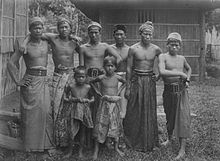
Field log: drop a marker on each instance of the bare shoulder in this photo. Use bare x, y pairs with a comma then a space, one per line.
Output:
135, 46
87, 86
163, 55
181, 57
118, 77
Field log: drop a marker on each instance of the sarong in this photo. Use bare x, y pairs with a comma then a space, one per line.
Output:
140, 123
77, 114
177, 109
108, 122
59, 82
36, 115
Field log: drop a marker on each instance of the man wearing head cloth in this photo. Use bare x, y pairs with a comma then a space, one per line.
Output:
140, 123
172, 67
36, 120
92, 55
64, 46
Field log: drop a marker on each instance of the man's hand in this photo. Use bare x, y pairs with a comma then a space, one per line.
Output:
25, 82
127, 93
183, 75
187, 84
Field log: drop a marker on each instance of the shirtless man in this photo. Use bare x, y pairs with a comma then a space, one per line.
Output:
122, 49
140, 123
92, 54
63, 48
175, 96
34, 91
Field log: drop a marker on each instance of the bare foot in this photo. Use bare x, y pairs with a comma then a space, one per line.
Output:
166, 143
69, 154
122, 154
180, 155
95, 156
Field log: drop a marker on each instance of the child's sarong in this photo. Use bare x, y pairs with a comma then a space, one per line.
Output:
177, 109
107, 123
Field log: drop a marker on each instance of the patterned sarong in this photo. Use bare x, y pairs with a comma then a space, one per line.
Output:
59, 82
77, 114
108, 122
140, 123
177, 109
36, 115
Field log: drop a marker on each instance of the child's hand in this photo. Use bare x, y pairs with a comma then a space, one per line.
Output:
127, 93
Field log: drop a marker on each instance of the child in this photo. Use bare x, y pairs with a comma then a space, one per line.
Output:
78, 113
176, 73
107, 123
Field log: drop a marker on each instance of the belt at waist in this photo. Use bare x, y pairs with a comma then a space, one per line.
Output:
94, 72
143, 73
36, 72
177, 87
63, 70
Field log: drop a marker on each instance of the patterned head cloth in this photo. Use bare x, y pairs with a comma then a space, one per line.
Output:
148, 26
62, 21
174, 36
120, 27
34, 21
94, 24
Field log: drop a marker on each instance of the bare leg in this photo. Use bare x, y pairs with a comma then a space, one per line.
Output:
117, 149
69, 150
167, 142
82, 140
108, 143
96, 151
182, 151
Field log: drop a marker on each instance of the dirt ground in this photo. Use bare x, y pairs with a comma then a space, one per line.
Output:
204, 145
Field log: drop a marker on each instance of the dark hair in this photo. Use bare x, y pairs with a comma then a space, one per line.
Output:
173, 40
35, 24
79, 68
120, 27
110, 58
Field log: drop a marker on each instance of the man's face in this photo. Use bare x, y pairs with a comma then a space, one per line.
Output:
173, 47
80, 77
146, 36
36, 30
109, 68
64, 29
94, 33
119, 36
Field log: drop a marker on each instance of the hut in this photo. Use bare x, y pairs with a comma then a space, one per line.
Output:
13, 25
184, 16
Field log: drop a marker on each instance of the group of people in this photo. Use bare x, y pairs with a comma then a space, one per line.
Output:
110, 95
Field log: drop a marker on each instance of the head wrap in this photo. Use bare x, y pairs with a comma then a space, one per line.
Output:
34, 21
174, 36
148, 26
120, 27
94, 24
63, 20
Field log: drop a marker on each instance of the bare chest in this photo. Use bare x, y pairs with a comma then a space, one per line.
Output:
174, 63
144, 54
81, 92
36, 50
63, 48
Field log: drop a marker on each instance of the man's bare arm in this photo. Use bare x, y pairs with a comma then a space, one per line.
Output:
13, 64
129, 72
164, 72
188, 69
81, 56
113, 52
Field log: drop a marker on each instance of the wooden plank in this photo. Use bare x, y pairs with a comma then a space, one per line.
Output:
7, 115
202, 62
11, 143
1, 31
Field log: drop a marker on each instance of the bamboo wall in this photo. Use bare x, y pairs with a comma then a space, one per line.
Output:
184, 21
13, 25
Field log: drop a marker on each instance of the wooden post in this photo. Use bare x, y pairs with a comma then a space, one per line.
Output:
202, 63
1, 31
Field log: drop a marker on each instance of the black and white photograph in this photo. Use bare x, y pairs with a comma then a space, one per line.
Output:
109, 80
